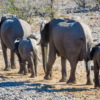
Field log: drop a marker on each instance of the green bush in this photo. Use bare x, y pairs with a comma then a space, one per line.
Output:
26, 9
21, 8
80, 3
97, 2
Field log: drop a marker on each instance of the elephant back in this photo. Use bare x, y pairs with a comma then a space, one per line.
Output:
13, 28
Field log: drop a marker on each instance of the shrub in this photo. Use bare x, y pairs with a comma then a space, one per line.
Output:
27, 9
21, 8
80, 3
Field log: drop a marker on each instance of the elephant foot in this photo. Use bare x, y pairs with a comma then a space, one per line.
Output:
25, 73
29, 70
70, 82
13, 67
7, 69
35, 74
63, 80
20, 72
32, 76
97, 86
48, 77
89, 83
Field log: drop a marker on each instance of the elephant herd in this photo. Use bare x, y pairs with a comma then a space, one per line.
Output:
69, 39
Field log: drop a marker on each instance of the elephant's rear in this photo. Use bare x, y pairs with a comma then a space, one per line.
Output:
87, 41
28, 47
23, 48
88, 35
70, 41
26, 28
12, 29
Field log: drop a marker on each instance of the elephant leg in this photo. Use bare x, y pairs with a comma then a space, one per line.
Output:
72, 79
35, 64
6, 59
25, 67
96, 74
29, 69
64, 73
88, 73
21, 70
31, 64
51, 60
13, 66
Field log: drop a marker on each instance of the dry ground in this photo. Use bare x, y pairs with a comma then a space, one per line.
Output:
79, 90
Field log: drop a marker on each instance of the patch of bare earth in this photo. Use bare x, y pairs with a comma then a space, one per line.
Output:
79, 90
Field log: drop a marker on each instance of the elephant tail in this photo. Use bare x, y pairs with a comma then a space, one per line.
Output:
82, 49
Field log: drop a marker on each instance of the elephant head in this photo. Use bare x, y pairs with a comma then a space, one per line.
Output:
44, 31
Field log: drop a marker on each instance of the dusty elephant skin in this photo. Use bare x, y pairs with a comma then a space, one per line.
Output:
12, 28
29, 51
70, 40
95, 56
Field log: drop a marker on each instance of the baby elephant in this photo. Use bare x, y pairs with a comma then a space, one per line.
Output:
95, 56
28, 52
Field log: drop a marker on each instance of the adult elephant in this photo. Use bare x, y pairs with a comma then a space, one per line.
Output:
69, 39
11, 29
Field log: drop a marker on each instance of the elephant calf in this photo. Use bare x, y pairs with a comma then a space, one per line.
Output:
95, 56
28, 51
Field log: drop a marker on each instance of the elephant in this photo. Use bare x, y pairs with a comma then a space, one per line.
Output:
94, 55
70, 39
28, 51
10, 29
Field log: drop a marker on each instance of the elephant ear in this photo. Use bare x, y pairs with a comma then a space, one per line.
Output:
3, 18
45, 33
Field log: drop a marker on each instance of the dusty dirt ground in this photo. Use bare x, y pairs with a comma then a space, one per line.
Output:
79, 90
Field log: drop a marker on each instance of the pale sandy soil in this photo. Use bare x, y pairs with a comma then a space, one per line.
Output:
79, 90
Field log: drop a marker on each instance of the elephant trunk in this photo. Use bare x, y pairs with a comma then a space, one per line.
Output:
44, 55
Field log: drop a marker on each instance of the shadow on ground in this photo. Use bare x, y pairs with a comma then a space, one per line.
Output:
40, 87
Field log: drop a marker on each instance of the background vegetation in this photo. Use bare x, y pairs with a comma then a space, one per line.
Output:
28, 9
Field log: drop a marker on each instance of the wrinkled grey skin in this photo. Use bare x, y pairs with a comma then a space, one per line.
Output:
70, 40
12, 28
29, 51
95, 56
